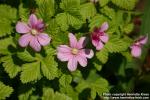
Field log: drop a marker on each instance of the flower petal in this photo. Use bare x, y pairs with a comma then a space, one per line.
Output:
43, 39
143, 40
136, 51
72, 64
104, 27
22, 27
82, 60
64, 56
82, 42
87, 53
35, 44
73, 40
104, 38
33, 20
64, 49
25, 39
99, 46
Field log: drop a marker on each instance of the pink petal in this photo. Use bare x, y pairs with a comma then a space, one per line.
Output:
35, 44
22, 27
136, 51
43, 39
40, 25
64, 56
104, 27
72, 64
99, 46
82, 60
25, 39
87, 53
73, 40
143, 40
94, 42
64, 49
82, 42
104, 38
33, 20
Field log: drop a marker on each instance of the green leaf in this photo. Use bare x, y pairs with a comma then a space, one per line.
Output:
9, 66
64, 20
48, 93
128, 28
8, 16
5, 44
46, 9
65, 80
25, 56
102, 55
97, 21
71, 6
49, 67
87, 10
103, 2
30, 72
116, 44
60, 96
126, 4
5, 91
23, 13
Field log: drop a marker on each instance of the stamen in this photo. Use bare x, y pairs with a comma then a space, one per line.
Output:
74, 51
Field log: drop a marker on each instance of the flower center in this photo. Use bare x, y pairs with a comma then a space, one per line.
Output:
34, 32
74, 51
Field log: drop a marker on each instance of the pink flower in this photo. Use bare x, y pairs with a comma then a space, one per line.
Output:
32, 33
137, 45
99, 37
75, 53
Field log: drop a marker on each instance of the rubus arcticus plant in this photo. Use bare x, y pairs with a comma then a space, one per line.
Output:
69, 49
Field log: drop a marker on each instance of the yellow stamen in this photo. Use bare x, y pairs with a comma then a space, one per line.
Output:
34, 32
74, 51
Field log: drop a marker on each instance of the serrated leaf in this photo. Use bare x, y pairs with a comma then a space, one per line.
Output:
65, 80
48, 93
9, 66
7, 15
5, 44
49, 67
46, 9
30, 72
64, 20
103, 2
5, 91
102, 55
116, 45
97, 21
25, 56
126, 4
128, 28
60, 96
88, 10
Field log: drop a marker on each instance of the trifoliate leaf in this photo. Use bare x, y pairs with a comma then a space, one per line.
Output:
5, 91
49, 67
126, 4
88, 10
103, 2
30, 72
9, 66
25, 56
8, 16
